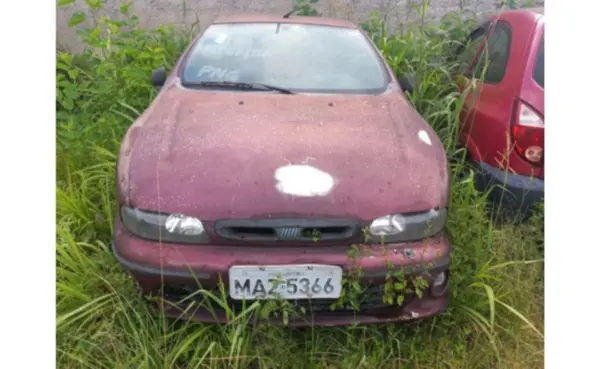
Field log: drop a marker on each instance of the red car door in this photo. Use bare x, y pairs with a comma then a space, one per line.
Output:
466, 57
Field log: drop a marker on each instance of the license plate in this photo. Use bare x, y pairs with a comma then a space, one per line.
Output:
289, 282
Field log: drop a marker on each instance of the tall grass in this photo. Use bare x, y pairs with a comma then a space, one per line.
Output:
495, 319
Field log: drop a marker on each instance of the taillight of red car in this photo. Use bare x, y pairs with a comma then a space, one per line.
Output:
528, 133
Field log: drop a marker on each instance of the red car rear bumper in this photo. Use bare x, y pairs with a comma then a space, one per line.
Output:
180, 268
516, 193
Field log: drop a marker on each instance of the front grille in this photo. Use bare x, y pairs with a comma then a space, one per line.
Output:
288, 233
303, 230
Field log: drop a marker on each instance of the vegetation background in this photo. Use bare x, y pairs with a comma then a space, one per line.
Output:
495, 319
397, 14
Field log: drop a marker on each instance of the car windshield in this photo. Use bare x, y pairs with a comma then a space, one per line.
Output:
298, 57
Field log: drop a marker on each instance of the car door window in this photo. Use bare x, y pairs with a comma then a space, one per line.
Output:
492, 61
467, 52
538, 71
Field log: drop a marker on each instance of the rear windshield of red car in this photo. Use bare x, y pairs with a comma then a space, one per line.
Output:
298, 57
538, 71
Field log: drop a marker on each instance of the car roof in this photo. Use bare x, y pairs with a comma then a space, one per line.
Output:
520, 11
271, 18
529, 14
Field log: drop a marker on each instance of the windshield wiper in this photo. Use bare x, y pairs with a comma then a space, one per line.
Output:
242, 85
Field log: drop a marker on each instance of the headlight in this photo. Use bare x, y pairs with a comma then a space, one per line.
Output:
408, 227
176, 228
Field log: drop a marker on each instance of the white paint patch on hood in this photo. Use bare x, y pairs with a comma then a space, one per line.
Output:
423, 136
303, 181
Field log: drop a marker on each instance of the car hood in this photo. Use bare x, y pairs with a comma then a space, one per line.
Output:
223, 155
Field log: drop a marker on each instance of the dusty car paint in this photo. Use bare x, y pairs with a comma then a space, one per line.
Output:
184, 146
220, 155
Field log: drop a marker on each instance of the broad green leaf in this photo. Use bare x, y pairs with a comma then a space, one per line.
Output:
124, 9
62, 66
65, 2
76, 19
113, 28
95, 33
94, 4
67, 103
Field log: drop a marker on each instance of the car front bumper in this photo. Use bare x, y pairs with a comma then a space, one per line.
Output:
517, 193
174, 271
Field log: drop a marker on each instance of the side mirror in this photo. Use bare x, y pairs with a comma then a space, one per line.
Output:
158, 77
408, 82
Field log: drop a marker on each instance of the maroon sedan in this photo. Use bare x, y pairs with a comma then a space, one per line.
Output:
275, 147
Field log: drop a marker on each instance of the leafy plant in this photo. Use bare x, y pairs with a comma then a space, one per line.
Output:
305, 8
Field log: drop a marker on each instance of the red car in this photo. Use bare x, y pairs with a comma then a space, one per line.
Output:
275, 145
503, 123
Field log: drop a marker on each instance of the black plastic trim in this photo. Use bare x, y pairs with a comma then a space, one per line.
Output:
224, 228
